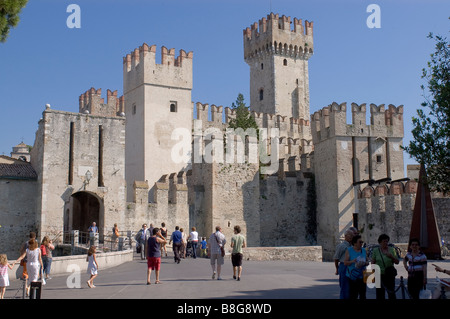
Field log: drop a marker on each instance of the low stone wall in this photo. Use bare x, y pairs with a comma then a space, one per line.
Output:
69, 264
297, 253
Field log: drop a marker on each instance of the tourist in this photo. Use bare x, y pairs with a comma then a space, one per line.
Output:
341, 268
92, 268
203, 248
216, 246
47, 257
141, 240
153, 254
23, 250
115, 237
183, 243
4, 277
164, 234
93, 230
415, 263
355, 260
237, 243
176, 239
385, 257
440, 288
193, 236
34, 261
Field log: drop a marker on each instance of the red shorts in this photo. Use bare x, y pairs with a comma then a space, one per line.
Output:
154, 263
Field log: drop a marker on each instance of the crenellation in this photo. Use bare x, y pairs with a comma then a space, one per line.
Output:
91, 102
331, 121
274, 35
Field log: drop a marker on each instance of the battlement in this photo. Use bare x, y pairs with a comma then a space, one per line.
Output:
295, 131
91, 102
140, 66
331, 121
274, 35
133, 59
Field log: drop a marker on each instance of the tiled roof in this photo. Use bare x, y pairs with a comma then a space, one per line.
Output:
17, 171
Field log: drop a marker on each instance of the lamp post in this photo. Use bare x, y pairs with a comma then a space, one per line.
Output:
87, 178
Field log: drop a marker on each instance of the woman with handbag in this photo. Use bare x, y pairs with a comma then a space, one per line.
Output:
415, 263
355, 260
385, 257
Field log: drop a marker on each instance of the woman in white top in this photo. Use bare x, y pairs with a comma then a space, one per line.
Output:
34, 261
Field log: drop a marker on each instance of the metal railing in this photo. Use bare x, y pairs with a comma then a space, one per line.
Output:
80, 240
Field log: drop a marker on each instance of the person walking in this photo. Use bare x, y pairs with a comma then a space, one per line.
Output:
176, 238
4, 277
153, 254
141, 240
355, 260
237, 243
183, 243
34, 262
164, 234
216, 246
341, 268
23, 250
203, 248
92, 230
193, 236
385, 257
415, 263
115, 237
92, 268
47, 256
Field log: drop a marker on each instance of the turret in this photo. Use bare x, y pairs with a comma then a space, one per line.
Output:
278, 58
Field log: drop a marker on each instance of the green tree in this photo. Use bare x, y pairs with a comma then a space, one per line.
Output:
9, 16
243, 118
431, 132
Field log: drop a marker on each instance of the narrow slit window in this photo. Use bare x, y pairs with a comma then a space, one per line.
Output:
173, 107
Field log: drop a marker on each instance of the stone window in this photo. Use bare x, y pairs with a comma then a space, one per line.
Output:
261, 94
173, 106
133, 111
285, 62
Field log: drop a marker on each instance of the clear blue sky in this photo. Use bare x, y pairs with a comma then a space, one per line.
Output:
44, 61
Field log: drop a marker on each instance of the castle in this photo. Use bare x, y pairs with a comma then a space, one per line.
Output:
124, 162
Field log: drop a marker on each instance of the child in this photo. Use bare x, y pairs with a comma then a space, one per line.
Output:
4, 277
203, 246
92, 266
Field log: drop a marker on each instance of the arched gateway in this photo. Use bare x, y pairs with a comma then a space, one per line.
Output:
84, 209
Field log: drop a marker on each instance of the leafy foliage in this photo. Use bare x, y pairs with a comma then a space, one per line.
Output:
431, 144
9, 16
243, 118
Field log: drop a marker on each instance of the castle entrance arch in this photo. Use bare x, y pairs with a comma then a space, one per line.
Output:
86, 208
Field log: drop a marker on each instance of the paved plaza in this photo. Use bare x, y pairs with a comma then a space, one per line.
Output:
191, 279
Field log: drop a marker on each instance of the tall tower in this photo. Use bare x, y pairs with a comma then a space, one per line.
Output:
157, 101
278, 59
347, 158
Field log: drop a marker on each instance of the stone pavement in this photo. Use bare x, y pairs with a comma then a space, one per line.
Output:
191, 279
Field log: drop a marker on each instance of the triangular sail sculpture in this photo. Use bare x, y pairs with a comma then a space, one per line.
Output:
424, 225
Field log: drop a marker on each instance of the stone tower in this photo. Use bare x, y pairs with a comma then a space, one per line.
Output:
157, 101
278, 59
348, 157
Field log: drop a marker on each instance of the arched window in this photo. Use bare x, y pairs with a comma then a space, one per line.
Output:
173, 107
285, 62
262, 66
261, 94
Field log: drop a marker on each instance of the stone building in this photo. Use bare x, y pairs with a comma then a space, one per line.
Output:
144, 158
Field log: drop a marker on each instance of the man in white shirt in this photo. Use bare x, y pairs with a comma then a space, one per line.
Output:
217, 251
193, 236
